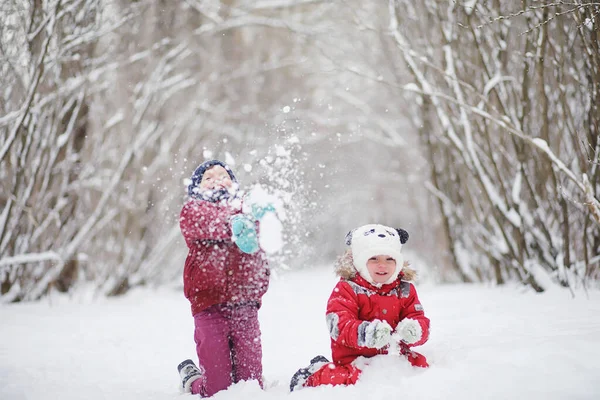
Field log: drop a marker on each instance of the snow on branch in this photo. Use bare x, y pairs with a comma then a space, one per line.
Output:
31, 258
539, 143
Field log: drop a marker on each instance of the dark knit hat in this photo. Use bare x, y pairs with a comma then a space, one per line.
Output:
199, 172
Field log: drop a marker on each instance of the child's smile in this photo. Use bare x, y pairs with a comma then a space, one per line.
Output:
381, 268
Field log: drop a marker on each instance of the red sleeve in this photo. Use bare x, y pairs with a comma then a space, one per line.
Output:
414, 310
342, 317
201, 220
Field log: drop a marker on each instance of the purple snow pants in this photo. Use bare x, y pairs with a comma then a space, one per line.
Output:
228, 346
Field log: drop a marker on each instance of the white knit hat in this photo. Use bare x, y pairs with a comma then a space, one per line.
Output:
376, 240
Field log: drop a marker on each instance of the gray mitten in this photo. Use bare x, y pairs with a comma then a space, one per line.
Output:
409, 331
378, 334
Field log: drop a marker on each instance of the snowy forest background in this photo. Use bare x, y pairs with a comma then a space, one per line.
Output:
472, 124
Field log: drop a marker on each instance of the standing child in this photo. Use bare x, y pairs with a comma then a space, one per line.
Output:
373, 309
225, 277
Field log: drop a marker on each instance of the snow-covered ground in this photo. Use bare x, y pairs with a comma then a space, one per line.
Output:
486, 343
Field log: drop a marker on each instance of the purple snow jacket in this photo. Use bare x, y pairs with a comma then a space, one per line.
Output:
216, 271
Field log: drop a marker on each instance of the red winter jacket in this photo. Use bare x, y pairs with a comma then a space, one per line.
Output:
216, 271
355, 301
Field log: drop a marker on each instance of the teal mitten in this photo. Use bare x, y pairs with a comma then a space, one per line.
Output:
259, 211
244, 233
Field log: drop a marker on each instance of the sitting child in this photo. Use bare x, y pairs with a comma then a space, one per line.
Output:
373, 309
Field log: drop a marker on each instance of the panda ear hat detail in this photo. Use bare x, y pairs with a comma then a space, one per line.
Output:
372, 240
403, 235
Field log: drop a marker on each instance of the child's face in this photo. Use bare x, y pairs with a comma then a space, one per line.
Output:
215, 178
381, 268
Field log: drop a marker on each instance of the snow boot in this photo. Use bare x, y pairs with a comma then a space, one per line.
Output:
302, 374
189, 373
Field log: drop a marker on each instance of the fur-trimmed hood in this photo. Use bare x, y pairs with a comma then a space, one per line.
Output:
344, 268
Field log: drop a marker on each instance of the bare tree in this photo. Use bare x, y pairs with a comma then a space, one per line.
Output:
109, 105
508, 101
43, 130
117, 104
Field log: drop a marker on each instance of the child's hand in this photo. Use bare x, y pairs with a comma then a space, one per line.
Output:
244, 233
409, 331
378, 334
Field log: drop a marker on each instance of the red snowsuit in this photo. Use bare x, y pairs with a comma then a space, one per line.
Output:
216, 271
355, 301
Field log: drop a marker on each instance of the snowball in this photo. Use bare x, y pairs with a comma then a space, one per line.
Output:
271, 233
